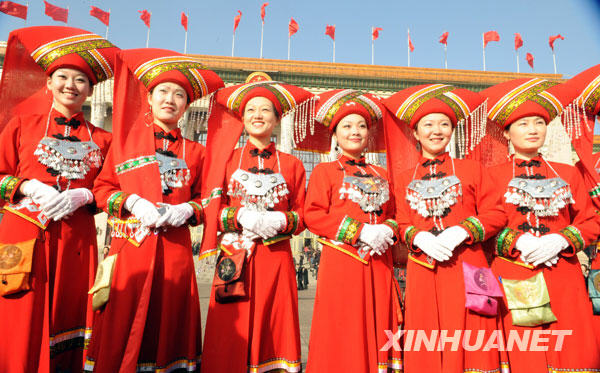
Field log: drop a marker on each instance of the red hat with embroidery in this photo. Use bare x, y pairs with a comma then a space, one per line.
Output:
34, 53
336, 104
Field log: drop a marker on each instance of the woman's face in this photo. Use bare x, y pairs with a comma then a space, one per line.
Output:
352, 135
433, 132
168, 102
260, 118
69, 89
527, 134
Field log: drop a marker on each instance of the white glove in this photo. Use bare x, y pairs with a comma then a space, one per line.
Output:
251, 236
451, 237
175, 215
253, 222
430, 245
549, 247
39, 192
67, 202
526, 244
377, 236
144, 210
275, 219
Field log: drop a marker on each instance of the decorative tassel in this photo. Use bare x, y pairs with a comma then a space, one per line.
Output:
68, 168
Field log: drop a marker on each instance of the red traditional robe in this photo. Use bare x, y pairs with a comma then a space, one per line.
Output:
569, 300
435, 292
357, 298
152, 319
261, 333
46, 327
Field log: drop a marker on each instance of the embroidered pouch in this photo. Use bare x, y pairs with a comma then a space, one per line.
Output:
15, 266
229, 281
528, 301
481, 290
101, 287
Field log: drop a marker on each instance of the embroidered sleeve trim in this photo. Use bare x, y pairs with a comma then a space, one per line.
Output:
573, 235
132, 164
394, 226
409, 237
195, 219
9, 186
229, 219
115, 204
505, 242
474, 227
291, 218
349, 231
217, 192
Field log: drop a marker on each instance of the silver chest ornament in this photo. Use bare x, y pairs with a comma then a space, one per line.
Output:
431, 198
71, 159
370, 193
545, 197
258, 192
174, 172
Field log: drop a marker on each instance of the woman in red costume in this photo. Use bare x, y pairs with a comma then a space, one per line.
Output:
150, 187
49, 157
255, 198
445, 208
350, 206
550, 219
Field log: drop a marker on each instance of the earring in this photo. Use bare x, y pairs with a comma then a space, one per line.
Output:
149, 117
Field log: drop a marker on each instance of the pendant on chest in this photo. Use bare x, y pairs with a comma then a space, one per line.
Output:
431, 198
544, 197
258, 192
370, 193
70, 159
174, 172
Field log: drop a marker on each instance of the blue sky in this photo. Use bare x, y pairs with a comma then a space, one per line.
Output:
211, 24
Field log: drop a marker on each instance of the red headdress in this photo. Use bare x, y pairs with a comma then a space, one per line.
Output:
225, 128
34, 53
336, 104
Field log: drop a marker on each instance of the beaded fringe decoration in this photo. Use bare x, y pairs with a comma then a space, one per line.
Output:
540, 206
175, 178
434, 207
304, 120
574, 118
68, 168
198, 118
368, 202
254, 202
471, 130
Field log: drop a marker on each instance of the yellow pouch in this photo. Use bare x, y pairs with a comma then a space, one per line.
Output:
101, 288
528, 301
15, 266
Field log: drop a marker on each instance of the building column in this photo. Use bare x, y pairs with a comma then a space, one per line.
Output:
98, 105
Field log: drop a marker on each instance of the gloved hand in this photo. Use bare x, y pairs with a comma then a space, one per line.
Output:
67, 202
377, 236
430, 245
250, 235
175, 215
526, 244
144, 210
275, 219
451, 237
549, 247
39, 192
253, 222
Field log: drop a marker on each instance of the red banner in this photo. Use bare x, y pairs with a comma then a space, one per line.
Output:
184, 20
375, 32
293, 27
56, 13
444, 38
145, 16
262, 11
529, 58
236, 21
13, 9
552, 39
330, 30
410, 44
103, 16
490, 36
518, 41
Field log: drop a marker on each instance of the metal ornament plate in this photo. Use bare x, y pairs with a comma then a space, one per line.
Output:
71, 150
538, 188
167, 163
434, 188
257, 184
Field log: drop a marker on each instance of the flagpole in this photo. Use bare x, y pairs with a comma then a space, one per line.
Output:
289, 42
185, 43
483, 45
446, 56
554, 60
333, 50
233, 44
408, 45
517, 53
262, 33
372, 48
106, 35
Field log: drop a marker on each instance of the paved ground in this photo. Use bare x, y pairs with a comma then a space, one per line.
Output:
306, 299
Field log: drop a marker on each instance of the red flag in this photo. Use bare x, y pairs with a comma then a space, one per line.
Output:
375, 32
490, 36
292, 27
552, 39
518, 41
444, 38
13, 9
410, 44
529, 58
262, 11
184, 20
56, 13
145, 16
103, 16
330, 30
236, 21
